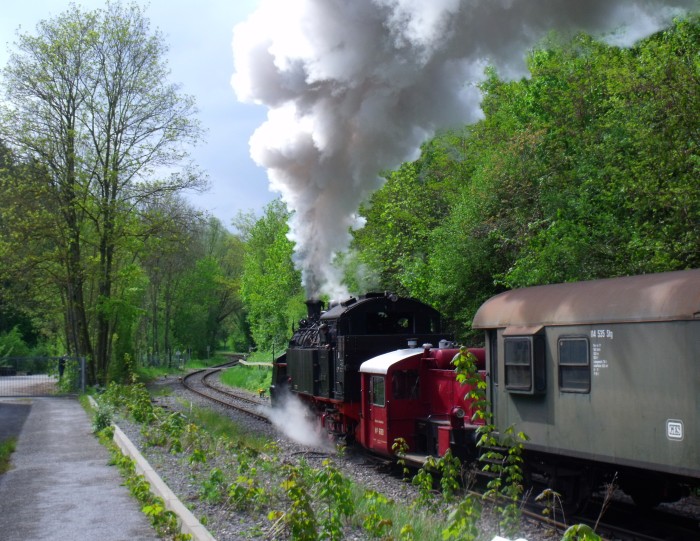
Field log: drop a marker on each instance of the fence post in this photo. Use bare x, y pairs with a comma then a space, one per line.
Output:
82, 375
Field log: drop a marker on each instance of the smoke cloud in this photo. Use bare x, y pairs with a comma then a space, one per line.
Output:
354, 87
298, 423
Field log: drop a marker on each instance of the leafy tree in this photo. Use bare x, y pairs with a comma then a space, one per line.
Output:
270, 286
29, 275
208, 292
89, 101
620, 194
395, 242
586, 169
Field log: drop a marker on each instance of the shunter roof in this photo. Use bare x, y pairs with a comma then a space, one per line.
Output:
381, 363
650, 297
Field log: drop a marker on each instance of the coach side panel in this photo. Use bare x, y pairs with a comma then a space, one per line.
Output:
628, 394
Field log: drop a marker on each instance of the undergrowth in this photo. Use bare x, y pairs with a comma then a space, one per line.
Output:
164, 521
309, 503
7, 447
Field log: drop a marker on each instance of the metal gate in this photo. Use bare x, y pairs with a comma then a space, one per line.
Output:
41, 376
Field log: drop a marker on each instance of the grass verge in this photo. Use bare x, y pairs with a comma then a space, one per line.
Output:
7, 447
251, 378
220, 426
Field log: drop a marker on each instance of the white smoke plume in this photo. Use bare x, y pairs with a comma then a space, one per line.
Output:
354, 87
298, 423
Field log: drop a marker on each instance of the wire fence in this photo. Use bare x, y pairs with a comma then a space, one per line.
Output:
41, 376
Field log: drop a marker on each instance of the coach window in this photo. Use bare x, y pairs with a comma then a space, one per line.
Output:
518, 363
574, 365
377, 383
524, 363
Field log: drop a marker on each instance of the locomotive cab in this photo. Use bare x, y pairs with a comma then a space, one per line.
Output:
413, 394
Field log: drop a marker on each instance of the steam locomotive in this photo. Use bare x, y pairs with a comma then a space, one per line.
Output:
603, 376
377, 368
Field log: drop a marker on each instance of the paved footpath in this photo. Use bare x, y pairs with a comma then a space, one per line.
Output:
60, 487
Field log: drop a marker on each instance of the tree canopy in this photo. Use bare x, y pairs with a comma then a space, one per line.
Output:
89, 105
588, 168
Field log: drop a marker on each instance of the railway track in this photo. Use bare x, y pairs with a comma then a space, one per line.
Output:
621, 520
200, 382
671, 522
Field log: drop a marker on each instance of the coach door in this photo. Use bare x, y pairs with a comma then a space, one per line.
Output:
377, 419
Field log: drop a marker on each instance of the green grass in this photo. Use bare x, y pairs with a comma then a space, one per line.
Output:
251, 378
426, 526
262, 356
221, 426
150, 373
7, 447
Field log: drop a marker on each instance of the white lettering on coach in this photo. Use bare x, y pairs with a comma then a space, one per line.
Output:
674, 429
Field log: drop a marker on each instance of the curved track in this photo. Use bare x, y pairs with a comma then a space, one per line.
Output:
620, 521
199, 382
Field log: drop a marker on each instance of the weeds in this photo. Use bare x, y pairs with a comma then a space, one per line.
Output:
7, 447
246, 493
310, 503
214, 487
463, 519
102, 417
551, 500
299, 518
375, 521
580, 532
335, 496
400, 448
163, 520
501, 453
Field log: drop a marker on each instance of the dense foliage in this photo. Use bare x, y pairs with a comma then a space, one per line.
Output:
271, 286
99, 251
588, 168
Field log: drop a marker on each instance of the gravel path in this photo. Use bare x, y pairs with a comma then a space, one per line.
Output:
224, 520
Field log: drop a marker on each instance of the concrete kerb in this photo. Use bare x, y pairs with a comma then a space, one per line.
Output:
188, 522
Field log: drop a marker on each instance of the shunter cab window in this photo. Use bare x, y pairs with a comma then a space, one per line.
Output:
523, 358
404, 385
574, 365
377, 383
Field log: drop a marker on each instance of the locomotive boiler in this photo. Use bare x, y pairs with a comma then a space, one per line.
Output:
376, 368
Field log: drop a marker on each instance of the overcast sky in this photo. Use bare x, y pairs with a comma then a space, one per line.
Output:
199, 36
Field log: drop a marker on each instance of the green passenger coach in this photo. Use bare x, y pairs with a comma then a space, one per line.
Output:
604, 378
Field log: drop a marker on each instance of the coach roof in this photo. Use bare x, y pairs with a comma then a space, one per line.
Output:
663, 296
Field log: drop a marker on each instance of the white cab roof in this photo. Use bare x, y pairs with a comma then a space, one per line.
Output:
381, 363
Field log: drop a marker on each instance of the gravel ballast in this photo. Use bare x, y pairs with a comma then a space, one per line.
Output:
225, 521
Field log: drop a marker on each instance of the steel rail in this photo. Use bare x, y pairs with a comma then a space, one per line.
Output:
189, 380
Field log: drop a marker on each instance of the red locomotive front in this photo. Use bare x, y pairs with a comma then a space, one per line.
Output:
413, 394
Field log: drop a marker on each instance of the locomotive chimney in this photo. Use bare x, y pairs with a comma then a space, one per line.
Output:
313, 309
